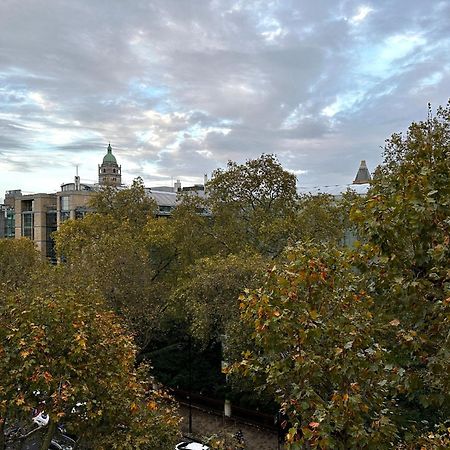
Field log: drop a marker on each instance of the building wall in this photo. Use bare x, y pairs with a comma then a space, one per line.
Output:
72, 204
35, 218
110, 174
3, 209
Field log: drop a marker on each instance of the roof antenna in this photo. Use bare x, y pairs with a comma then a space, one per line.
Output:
77, 179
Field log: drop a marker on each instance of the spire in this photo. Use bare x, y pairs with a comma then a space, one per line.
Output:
363, 175
109, 148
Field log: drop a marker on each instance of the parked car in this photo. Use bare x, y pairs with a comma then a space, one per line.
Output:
191, 446
41, 419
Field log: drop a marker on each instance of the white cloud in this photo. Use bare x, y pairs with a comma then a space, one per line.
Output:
362, 13
179, 89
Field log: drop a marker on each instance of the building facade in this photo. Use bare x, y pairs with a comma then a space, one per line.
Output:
38, 216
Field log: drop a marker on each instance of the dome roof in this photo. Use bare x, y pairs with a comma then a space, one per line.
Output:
109, 158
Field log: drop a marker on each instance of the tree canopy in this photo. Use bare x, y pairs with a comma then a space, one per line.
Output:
355, 343
63, 350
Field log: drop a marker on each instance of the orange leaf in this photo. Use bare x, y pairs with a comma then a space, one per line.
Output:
152, 405
48, 376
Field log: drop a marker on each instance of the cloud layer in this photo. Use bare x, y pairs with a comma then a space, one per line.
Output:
180, 87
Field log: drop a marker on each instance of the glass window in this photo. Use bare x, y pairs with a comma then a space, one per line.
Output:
10, 224
64, 215
28, 225
27, 205
80, 213
64, 203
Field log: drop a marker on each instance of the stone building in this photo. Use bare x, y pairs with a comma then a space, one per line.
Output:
37, 216
109, 172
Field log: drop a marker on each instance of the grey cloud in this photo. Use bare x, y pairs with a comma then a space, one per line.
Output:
188, 85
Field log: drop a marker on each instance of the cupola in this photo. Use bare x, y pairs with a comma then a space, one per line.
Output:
109, 172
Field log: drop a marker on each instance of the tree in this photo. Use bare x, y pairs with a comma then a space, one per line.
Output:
211, 289
61, 347
316, 351
320, 218
407, 216
18, 262
355, 343
250, 204
130, 205
121, 251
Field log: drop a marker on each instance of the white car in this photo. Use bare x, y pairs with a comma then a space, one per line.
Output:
191, 446
41, 419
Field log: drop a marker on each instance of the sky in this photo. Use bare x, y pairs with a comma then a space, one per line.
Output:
180, 87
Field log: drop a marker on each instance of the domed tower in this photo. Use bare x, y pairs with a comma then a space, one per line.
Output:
109, 172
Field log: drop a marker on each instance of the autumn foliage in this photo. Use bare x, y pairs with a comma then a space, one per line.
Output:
64, 352
354, 343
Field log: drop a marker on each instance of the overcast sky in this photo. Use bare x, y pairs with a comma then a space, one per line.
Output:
181, 86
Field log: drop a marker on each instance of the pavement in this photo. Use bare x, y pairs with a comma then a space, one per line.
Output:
206, 424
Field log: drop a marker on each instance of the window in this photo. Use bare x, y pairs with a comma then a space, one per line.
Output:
28, 224
64, 203
27, 205
80, 212
10, 224
64, 215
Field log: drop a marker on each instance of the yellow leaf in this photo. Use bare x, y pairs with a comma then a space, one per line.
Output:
394, 323
134, 407
20, 400
152, 405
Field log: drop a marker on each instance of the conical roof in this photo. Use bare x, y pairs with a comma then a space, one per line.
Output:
109, 158
363, 175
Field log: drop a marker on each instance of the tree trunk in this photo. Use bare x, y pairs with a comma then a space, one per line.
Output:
2, 434
3, 414
49, 435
